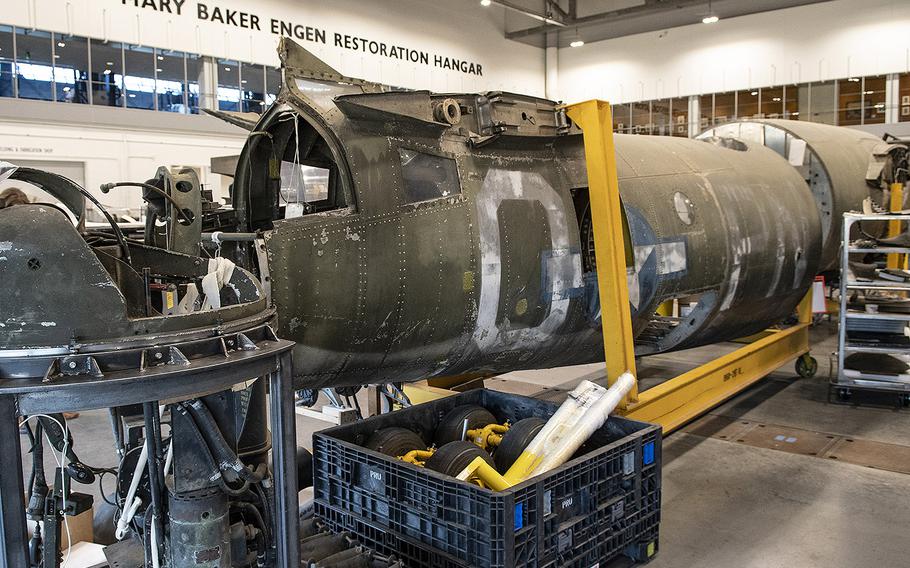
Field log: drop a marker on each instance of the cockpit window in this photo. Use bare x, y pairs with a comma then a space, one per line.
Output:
427, 176
303, 184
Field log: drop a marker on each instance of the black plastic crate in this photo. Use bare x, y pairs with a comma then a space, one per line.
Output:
603, 503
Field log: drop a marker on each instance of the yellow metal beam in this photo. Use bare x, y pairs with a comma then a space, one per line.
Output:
420, 392
896, 260
683, 398
596, 122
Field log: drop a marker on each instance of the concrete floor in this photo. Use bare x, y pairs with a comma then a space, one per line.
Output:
728, 504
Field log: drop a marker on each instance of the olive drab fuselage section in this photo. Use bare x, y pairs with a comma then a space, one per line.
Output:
449, 234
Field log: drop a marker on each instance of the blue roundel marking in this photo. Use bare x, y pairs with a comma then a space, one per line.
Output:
643, 242
643, 283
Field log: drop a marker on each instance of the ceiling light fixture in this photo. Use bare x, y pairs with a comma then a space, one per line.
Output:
61, 44
754, 93
485, 3
711, 18
577, 41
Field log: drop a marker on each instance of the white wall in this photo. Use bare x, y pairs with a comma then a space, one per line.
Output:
459, 29
808, 43
115, 154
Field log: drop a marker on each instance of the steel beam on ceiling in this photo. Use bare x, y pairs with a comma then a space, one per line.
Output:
552, 19
649, 8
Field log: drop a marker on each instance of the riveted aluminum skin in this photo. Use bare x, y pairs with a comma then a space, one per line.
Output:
734, 228
833, 165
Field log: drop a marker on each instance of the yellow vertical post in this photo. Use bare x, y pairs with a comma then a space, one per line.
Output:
596, 122
804, 309
896, 260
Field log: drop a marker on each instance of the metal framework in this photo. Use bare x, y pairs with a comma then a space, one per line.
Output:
682, 398
269, 357
871, 379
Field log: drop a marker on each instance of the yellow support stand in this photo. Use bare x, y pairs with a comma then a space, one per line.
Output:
679, 399
682, 398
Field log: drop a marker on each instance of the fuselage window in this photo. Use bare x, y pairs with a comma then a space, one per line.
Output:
303, 188
427, 176
307, 175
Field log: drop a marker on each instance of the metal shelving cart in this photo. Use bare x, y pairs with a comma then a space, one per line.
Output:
846, 380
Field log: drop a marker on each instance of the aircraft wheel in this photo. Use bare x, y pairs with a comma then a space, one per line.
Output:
806, 366
451, 426
515, 441
453, 457
395, 441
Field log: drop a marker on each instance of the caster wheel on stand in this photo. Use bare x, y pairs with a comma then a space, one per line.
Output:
806, 366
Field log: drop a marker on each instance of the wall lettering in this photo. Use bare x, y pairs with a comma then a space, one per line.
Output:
209, 12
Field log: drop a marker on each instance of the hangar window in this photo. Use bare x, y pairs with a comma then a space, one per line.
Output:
252, 87
139, 77
71, 69
228, 85
622, 117
427, 176
34, 64
170, 81
106, 73
904, 94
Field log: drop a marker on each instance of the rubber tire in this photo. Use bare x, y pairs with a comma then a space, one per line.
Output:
806, 367
452, 424
515, 441
395, 441
453, 457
